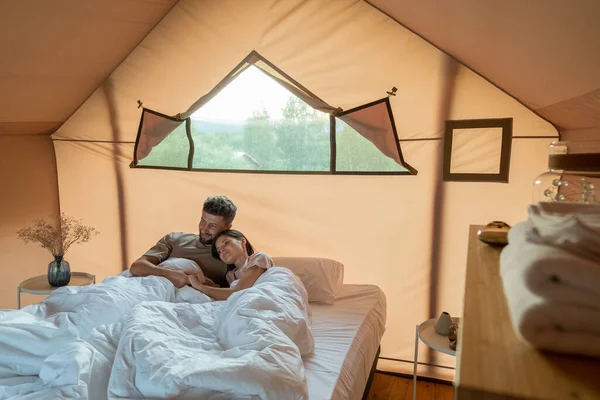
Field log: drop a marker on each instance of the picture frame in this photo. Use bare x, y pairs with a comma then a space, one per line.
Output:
502, 176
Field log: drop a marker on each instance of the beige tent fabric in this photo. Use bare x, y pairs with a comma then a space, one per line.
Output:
55, 54
28, 128
89, 189
380, 227
581, 112
544, 52
343, 80
29, 191
583, 135
476, 151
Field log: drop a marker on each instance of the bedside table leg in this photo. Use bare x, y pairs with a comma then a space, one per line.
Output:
414, 396
18, 298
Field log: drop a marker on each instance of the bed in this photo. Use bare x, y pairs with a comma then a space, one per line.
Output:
347, 336
298, 333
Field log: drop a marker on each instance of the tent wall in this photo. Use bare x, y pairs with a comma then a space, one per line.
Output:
379, 227
383, 228
29, 191
544, 52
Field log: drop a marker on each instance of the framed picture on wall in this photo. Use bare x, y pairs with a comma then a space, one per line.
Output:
477, 150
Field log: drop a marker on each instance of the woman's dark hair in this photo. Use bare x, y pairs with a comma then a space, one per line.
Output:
234, 234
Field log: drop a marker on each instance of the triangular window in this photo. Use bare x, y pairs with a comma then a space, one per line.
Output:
259, 120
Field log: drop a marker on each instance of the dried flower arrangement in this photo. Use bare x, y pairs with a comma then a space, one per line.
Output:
57, 239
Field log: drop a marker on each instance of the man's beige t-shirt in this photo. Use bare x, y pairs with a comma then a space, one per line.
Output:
187, 245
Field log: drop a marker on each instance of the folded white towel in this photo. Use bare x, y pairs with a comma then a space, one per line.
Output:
571, 226
551, 325
551, 276
549, 271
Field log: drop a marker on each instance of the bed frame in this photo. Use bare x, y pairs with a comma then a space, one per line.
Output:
371, 375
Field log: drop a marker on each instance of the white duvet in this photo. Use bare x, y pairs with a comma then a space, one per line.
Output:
133, 338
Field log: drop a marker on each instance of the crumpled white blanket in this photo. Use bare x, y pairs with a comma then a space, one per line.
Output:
250, 346
29, 335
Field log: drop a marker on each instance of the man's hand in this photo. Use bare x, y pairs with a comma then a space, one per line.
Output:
209, 282
179, 279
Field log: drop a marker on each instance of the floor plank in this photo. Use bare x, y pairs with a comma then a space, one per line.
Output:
388, 387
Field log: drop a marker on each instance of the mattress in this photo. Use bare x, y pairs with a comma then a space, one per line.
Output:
347, 335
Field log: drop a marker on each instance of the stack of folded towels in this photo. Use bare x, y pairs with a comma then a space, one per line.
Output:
551, 276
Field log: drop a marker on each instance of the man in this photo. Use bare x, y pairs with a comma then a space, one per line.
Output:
218, 213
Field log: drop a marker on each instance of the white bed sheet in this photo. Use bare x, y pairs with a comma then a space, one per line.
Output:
347, 335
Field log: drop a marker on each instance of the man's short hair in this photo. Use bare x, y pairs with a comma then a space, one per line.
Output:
220, 206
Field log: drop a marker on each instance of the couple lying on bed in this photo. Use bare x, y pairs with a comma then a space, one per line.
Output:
227, 260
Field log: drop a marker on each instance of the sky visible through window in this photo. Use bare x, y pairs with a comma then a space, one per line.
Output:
250, 93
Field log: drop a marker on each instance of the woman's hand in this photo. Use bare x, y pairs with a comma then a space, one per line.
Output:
197, 281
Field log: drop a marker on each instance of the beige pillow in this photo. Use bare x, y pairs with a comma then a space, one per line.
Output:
322, 278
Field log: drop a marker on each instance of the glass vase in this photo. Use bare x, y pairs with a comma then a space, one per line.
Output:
59, 272
573, 174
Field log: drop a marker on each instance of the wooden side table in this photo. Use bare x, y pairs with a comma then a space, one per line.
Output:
40, 285
427, 334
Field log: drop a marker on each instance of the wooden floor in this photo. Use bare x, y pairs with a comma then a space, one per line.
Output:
388, 387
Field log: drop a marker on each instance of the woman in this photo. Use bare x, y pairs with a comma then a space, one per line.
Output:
244, 265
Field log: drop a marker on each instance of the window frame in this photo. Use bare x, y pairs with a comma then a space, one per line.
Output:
251, 59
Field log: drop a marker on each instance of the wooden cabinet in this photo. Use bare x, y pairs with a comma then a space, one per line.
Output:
492, 362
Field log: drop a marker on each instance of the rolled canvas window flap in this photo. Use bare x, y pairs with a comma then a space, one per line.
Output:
154, 128
374, 122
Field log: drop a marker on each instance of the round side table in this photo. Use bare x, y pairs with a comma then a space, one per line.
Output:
40, 285
427, 334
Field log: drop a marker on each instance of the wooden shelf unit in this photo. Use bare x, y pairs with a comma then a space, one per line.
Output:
492, 362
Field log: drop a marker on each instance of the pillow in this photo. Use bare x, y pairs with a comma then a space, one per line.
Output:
322, 278
181, 264
174, 263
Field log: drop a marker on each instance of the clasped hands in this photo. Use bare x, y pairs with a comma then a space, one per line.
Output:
189, 278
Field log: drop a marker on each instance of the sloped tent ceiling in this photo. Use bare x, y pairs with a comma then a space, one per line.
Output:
546, 53
56, 53
150, 71
382, 228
